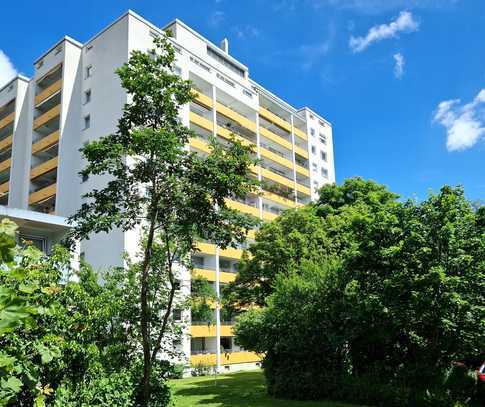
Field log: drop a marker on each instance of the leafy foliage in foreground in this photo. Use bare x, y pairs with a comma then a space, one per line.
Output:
393, 296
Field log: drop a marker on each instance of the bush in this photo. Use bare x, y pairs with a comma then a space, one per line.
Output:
115, 389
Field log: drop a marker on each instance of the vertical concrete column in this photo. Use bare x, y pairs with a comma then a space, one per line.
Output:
218, 291
258, 154
293, 159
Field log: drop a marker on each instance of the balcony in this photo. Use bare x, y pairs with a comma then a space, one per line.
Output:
5, 165
51, 90
203, 99
224, 277
47, 116
4, 187
42, 194
46, 142
198, 331
272, 117
6, 143
7, 120
243, 207
227, 358
201, 121
237, 117
44, 168
270, 196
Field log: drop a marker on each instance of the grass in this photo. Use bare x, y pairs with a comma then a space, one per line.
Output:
244, 389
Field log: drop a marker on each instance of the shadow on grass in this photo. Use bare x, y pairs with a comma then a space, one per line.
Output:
244, 389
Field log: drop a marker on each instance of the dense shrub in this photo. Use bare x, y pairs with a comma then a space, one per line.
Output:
379, 315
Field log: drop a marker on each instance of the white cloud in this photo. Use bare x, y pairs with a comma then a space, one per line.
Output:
247, 31
382, 6
399, 65
7, 70
216, 18
405, 23
464, 124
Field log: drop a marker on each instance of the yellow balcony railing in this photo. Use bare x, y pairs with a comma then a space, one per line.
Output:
49, 115
276, 158
243, 207
231, 253
210, 359
200, 145
228, 135
301, 152
277, 178
302, 188
43, 168
7, 120
6, 143
239, 118
300, 134
206, 248
273, 137
203, 99
198, 331
46, 142
201, 121
48, 92
5, 164
224, 277
4, 187
302, 170
275, 119
43, 194
279, 199
269, 216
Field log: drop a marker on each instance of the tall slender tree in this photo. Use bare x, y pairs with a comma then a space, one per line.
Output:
177, 196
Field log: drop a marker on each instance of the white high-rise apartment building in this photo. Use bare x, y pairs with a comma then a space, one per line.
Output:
75, 96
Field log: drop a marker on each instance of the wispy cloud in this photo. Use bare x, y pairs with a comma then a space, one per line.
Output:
246, 31
399, 63
216, 18
464, 124
405, 23
7, 70
380, 6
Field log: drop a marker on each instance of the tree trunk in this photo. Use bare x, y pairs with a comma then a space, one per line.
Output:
147, 363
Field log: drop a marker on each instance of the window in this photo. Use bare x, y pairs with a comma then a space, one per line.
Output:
314, 167
177, 314
89, 71
177, 284
198, 261
247, 93
225, 265
226, 343
314, 150
177, 70
87, 96
177, 342
84, 178
39, 64
35, 241
324, 172
323, 138
312, 131
224, 79
323, 155
199, 63
87, 122
154, 34
311, 116
321, 123
89, 48
58, 49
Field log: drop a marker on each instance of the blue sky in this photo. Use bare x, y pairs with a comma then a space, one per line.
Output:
400, 80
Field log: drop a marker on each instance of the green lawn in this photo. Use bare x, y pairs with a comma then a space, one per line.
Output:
244, 389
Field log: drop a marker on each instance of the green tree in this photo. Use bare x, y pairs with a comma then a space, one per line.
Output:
402, 300
154, 181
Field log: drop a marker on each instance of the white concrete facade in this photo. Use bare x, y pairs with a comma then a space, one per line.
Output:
75, 96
